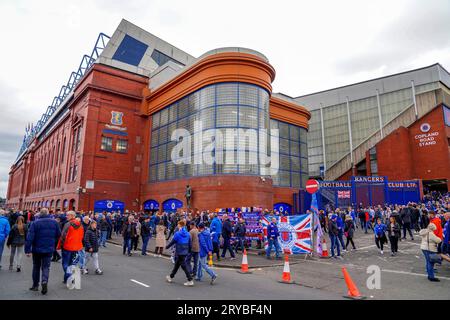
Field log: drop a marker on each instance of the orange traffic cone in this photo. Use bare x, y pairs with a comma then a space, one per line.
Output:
210, 262
353, 291
244, 265
286, 278
324, 249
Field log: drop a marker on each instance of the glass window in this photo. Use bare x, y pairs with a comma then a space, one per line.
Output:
226, 116
248, 117
106, 144
122, 145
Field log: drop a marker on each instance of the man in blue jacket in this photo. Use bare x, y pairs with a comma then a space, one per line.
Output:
4, 232
182, 242
206, 247
272, 238
41, 242
216, 231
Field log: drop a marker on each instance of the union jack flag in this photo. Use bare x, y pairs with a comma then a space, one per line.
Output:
295, 233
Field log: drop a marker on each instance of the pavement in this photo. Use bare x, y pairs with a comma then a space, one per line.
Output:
143, 277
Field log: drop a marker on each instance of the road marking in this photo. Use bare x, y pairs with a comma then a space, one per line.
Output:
411, 273
362, 248
142, 284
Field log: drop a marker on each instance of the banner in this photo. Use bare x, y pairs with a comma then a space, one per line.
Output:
317, 228
252, 220
343, 194
295, 233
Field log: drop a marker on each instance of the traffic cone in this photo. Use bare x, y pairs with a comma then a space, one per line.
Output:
210, 262
244, 265
286, 278
353, 291
324, 249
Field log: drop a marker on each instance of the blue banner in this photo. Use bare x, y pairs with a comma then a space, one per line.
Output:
151, 205
283, 208
108, 205
172, 205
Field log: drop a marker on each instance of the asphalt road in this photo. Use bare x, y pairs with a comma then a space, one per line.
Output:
138, 277
149, 282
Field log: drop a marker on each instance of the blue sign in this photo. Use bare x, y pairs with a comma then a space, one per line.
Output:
108, 205
151, 205
283, 208
171, 205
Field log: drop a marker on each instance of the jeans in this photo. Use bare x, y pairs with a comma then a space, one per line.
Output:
2, 245
204, 265
194, 256
103, 236
127, 245
67, 260
407, 226
134, 242
428, 265
145, 240
239, 244
334, 244
82, 262
341, 238
94, 257
16, 252
273, 242
41, 261
180, 261
227, 246
216, 249
363, 224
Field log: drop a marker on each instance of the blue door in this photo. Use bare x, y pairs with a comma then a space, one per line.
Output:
171, 205
283, 208
108, 206
151, 205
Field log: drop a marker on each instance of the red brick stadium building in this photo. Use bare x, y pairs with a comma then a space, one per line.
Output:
106, 140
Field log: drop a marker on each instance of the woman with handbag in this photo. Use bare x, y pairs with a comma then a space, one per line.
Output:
349, 230
429, 248
393, 229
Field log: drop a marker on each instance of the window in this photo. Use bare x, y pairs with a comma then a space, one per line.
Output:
78, 139
106, 144
121, 145
63, 150
75, 171
224, 107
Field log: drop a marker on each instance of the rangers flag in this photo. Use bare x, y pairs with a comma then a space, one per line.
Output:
295, 233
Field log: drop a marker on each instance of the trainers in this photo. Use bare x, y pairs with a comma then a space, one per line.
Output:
84, 271
155, 255
232, 258
169, 279
189, 283
34, 288
18, 269
381, 251
98, 271
339, 257
10, 268
213, 279
159, 256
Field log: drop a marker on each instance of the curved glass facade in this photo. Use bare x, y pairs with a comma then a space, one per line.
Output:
293, 155
221, 108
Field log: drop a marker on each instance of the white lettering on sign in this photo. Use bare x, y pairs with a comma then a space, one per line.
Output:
426, 139
369, 179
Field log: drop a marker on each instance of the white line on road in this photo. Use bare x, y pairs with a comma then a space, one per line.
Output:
142, 284
411, 273
362, 248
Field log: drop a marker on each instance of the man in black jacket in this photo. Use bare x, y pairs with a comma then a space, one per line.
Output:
227, 233
240, 230
146, 233
405, 214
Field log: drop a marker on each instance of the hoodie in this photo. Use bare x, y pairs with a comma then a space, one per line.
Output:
205, 243
5, 228
72, 236
216, 229
182, 242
